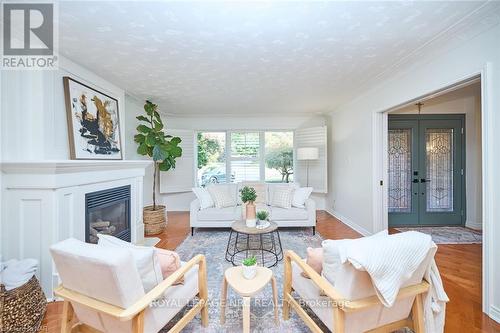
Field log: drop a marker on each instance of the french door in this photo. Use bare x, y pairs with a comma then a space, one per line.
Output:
426, 170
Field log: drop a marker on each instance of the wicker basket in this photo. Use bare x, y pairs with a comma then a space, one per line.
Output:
155, 221
22, 309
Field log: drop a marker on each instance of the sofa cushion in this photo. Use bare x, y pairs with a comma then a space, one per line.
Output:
283, 214
220, 214
223, 195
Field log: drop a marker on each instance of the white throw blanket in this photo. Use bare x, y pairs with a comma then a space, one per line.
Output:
391, 261
15, 273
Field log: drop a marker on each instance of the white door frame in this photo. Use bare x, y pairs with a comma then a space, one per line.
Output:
380, 165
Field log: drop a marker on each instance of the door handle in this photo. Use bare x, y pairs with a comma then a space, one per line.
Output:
415, 180
423, 180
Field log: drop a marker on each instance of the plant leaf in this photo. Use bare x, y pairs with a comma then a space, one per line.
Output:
164, 166
158, 125
151, 139
142, 149
139, 138
158, 153
143, 129
175, 140
143, 119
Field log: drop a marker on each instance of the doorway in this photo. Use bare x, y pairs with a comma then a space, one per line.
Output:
426, 169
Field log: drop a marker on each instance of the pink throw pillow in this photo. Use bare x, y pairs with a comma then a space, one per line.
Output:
314, 260
169, 263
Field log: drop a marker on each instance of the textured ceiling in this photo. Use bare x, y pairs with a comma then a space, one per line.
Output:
240, 57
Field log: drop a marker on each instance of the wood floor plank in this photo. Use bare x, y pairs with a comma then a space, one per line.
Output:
460, 267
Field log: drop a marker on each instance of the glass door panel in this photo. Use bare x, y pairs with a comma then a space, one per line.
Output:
439, 151
400, 170
402, 163
442, 198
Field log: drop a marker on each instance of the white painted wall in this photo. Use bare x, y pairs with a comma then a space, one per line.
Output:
181, 201
463, 101
352, 181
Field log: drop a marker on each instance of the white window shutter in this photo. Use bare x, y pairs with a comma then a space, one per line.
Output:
180, 179
318, 170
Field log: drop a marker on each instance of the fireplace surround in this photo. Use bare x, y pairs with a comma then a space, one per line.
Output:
44, 203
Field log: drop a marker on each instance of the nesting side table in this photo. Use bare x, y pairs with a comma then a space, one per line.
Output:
246, 289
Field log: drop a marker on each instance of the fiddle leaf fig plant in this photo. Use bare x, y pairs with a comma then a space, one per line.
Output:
153, 142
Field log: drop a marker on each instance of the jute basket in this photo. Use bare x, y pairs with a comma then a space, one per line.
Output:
155, 221
22, 308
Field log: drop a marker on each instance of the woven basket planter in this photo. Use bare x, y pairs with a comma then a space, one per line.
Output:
155, 221
22, 309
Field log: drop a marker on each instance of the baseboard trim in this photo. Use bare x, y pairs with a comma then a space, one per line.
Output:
495, 313
348, 222
474, 225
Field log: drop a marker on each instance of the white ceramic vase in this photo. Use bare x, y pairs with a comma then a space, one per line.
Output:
251, 223
249, 272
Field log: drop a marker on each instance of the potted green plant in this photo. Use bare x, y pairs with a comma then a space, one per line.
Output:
163, 149
262, 215
249, 267
248, 197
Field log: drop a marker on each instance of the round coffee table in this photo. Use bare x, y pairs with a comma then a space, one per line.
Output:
264, 244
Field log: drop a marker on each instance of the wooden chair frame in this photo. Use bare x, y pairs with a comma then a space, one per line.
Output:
341, 305
135, 312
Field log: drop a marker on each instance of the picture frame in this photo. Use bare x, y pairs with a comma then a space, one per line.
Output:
93, 118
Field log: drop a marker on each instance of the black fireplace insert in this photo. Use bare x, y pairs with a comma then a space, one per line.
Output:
108, 212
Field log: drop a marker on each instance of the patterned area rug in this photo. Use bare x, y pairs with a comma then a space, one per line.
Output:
212, 243
449, 235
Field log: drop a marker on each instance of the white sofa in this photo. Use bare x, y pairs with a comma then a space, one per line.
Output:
223, 217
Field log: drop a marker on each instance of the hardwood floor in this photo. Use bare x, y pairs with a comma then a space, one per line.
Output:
460, 267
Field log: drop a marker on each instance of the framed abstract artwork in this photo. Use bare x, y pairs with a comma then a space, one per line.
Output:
93, 123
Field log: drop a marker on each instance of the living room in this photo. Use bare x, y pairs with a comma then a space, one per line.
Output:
230, 140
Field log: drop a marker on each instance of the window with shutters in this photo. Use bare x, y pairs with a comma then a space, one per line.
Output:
236, 156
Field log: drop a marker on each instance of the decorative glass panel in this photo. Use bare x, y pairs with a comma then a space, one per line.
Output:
439, 151
400, 170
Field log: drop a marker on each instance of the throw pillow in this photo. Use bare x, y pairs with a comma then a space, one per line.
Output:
282, 197
169, 263
145, 260
314, 260
271, 188
300, 196
204, 197
222, 195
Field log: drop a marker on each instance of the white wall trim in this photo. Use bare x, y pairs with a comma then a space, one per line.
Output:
494, 313
474, 225
348, 222
487, 139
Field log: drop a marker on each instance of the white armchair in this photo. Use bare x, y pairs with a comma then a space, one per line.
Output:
102, 291
352, 305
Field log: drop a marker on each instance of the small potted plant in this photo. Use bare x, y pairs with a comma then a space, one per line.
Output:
248, 196
250, 268
262, 215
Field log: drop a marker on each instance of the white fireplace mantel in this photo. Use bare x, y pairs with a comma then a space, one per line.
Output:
43, 202
58, 174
